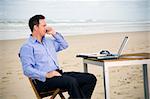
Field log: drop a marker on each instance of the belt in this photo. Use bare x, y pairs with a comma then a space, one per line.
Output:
59, 70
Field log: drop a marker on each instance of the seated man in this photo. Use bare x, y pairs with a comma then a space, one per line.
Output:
39, 61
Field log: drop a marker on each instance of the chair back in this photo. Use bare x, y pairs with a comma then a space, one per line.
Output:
34, 89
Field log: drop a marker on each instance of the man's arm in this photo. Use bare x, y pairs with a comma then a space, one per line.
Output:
59, 41
28, 63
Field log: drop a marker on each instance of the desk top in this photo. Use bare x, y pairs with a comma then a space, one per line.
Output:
125, 57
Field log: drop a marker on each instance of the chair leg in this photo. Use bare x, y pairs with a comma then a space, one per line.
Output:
61, 95
55, 93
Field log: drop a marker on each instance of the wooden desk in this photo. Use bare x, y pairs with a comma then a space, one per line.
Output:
127, 59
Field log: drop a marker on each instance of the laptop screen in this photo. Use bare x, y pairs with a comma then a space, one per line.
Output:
122, 45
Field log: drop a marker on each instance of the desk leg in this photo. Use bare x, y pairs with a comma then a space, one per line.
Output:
106, 82
85, 67
145, 76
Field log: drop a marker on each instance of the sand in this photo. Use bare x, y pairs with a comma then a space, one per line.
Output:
125, 82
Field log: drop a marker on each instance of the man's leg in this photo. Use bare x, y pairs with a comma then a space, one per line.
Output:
86, 82
62, 82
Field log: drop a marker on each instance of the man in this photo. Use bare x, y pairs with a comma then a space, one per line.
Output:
39, 61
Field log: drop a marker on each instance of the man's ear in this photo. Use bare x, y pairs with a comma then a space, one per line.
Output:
35, 27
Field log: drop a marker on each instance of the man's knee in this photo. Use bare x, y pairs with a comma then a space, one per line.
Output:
93, 78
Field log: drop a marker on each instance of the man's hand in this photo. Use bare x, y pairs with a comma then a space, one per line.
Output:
52, 74
50, 31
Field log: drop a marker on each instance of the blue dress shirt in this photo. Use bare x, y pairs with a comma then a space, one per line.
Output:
39, 58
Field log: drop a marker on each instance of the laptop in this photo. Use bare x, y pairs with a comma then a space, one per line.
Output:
106, 55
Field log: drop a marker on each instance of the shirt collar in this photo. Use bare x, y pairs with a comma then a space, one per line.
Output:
34, 40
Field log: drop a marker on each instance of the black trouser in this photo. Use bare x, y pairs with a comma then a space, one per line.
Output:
79, 85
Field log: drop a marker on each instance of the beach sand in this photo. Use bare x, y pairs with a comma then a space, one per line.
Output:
125, 82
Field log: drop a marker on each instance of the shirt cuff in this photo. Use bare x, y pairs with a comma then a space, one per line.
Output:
57, 36
43, 76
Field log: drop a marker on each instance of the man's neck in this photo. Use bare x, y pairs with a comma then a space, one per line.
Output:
37, 36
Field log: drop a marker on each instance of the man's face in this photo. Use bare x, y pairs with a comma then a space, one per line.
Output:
42, 27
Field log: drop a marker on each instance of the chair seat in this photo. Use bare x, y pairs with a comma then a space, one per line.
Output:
51, 92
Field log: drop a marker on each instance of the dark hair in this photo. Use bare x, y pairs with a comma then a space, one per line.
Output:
35, 21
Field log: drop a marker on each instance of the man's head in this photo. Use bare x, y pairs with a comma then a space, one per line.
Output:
37, 24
